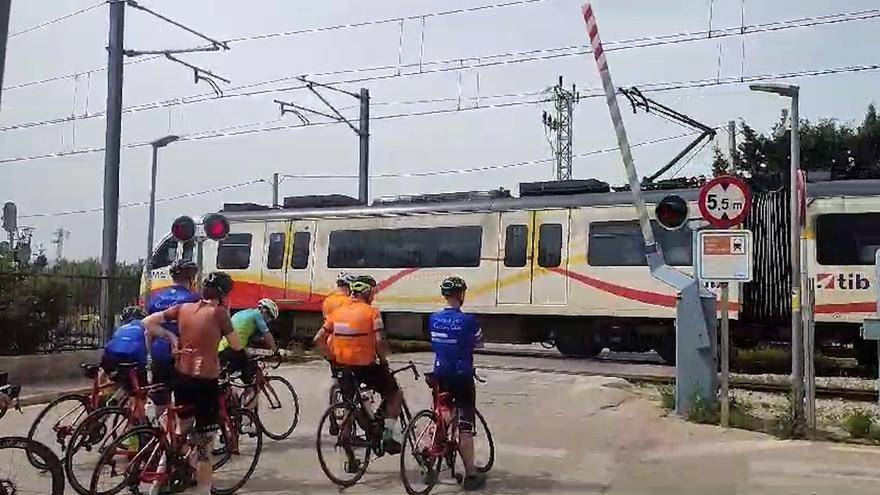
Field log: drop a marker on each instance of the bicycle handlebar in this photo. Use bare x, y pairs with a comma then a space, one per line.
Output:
478, 377
263, 358
410, 366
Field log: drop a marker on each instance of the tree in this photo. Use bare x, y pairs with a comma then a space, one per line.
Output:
720, 164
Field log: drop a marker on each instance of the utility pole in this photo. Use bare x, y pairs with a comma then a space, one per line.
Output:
563, 106
5, 7
362, 131
60, 236
364, 138
275, 183
113, 134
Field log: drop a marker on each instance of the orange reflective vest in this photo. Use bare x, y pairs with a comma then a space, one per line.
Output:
353, 330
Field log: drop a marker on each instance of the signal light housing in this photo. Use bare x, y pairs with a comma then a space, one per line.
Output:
183, 229
216, 226
672, 212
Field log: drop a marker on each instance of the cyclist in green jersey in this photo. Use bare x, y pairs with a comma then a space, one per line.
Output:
252, 328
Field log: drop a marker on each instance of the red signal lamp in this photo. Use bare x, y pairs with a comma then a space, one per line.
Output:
216, 226
672, 212
183, 229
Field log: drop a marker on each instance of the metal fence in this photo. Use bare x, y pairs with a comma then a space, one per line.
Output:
48, 312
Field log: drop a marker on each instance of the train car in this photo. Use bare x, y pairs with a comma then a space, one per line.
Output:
570, 267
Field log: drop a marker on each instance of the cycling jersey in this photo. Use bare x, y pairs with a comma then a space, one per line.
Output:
454, 335
353, 330
128, 344
246, 323
162, 300
333, 302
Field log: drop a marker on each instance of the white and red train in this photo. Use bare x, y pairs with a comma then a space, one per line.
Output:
570, 264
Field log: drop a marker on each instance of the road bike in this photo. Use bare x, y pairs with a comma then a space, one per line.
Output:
353, 429
277, 403
431, 443
164, 460
24, 477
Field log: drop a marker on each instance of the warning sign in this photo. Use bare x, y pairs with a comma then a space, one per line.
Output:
724, 255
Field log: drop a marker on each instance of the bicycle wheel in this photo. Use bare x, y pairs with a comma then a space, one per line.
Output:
54, 425
343, 444
89, 440
278, 411
135, 460
484, 445
17, 473
242, 442
420, 457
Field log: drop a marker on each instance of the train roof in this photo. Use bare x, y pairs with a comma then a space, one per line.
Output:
815, 190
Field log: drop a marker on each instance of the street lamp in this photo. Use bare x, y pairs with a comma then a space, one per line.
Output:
797, 341
148, 268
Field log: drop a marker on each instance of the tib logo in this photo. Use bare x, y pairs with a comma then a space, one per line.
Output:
842, 281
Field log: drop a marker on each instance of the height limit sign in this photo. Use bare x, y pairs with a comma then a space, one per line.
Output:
725, 201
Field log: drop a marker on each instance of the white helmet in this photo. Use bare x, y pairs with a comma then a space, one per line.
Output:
270, 307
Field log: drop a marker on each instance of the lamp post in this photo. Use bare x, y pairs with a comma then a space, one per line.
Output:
797, 341
148, 268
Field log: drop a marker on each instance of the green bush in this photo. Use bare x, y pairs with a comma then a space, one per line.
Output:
667, 396
858, 423
702, 412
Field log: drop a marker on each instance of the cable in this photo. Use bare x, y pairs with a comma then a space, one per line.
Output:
484, 62
74, 75
57, 19
145, 203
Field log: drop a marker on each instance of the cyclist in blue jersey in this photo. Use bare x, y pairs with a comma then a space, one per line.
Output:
128, 345
183, 274
454, 335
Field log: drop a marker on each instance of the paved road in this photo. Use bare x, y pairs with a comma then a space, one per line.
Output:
562, 433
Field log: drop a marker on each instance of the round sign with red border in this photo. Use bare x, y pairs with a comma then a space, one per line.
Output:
725, 201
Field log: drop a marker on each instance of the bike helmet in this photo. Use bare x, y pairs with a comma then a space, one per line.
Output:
453, 285
270, 307
345, 279
220, 281
179, 266
132, 313
362, 284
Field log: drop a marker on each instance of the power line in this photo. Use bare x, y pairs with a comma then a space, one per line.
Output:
56, 20
474, 62
145, 203
74, 75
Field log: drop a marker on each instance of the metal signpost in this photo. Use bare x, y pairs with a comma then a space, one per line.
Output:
871, 325
695, 322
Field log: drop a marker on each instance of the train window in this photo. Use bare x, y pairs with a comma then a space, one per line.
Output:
550, 245
406, 248
165, 254
301, 243
847, 238
234, 252
275, 256
516, 242
621, 244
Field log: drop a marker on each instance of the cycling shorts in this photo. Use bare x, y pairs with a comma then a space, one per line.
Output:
376, 377
238, 361
464, 396
163, 372
110, 364
200, 398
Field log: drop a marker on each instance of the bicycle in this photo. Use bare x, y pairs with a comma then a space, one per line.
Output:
273, 388
163, 459
19, 480
352, 424
73, 408
102, 426
432, 441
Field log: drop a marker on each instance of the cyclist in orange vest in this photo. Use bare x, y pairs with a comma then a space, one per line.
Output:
358, 346
333, 301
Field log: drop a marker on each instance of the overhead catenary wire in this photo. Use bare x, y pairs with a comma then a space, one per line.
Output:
56, 20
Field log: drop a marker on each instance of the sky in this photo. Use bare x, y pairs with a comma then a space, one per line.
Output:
489, 105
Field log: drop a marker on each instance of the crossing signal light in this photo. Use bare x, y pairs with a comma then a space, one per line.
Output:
672, 212
216, 226
183, 229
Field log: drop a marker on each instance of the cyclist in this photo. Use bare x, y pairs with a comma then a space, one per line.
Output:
356, 330
252, 328
127, 345
202, 324
183, 274
343, 291
454, 335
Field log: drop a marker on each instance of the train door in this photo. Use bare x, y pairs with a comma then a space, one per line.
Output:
550, 245
301, 261
274, 269
515, 258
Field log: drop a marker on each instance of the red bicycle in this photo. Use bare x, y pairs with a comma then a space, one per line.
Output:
431, 443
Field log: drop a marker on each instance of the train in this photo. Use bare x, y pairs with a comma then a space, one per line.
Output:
560, 263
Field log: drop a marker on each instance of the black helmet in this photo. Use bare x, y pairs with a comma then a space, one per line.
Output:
132, 313
453, 285
362, 284
181, 265
220, 281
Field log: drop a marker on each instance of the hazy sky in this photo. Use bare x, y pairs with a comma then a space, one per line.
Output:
451, 141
